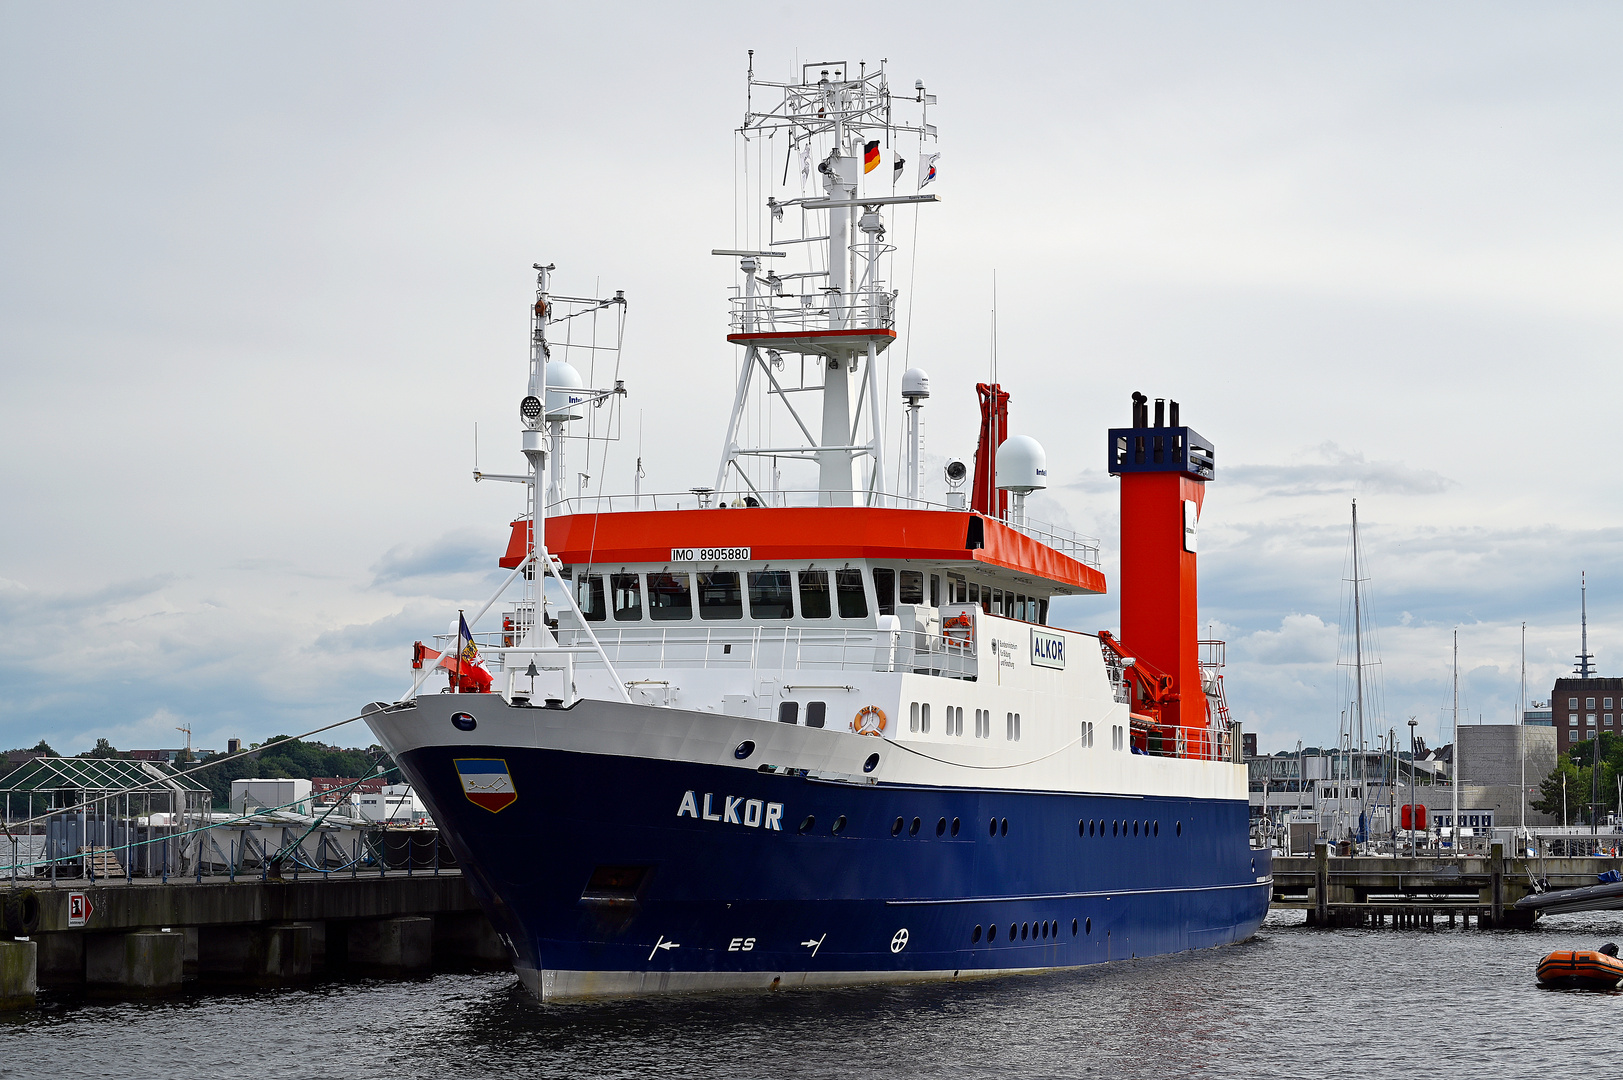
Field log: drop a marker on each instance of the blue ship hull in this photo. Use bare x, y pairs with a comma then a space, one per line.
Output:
606, 876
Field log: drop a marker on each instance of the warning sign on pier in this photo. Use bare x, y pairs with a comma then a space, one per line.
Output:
79, 909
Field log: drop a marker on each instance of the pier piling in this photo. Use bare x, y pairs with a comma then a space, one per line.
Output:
19, 974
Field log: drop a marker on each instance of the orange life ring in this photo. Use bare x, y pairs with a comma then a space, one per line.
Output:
870, 720
960, 619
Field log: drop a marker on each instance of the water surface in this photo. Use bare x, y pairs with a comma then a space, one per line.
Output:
1293, 1002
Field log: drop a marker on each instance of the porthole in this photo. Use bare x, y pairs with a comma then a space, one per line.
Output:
1087, 926
743, 750
1135, 828
991, 932
1157, 828
896, 827
1073, 928
809, 824
1003, 828
941, 827
1081, 828
839, 825
1045, 929
1014, 928
955, 824
871, 764
913, 829
463, 721
991, 829
976, 936
1115, 828
1090, 828
1025, 931
1179, 830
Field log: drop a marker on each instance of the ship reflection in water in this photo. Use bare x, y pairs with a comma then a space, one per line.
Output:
1291, 1002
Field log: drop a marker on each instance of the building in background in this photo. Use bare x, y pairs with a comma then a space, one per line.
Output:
1538, 715
1582, 707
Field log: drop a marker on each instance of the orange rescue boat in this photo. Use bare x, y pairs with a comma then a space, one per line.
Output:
1582, 969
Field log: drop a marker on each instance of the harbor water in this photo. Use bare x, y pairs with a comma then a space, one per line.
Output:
1293, 1002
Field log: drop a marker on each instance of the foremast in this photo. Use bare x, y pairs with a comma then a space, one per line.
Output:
837, 315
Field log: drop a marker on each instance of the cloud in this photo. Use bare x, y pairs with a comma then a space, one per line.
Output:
1300, 639
462, 551
1338, 471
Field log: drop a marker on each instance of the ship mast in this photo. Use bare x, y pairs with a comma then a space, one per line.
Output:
836, 315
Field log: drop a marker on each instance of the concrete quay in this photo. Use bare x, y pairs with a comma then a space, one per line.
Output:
1381, 890
134, 939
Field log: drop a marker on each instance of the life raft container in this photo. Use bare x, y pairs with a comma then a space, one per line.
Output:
1582, 969
869, 720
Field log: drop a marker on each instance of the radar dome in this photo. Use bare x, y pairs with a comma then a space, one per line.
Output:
563, 384
1022, 466
915, 385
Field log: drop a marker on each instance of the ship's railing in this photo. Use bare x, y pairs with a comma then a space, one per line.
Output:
1084, 549
1219, 741
770, 313
766, 648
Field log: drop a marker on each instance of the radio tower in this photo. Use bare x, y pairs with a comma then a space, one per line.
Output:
1585, 668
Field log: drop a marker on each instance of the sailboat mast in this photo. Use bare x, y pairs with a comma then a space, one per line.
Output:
1521, 732
1358, 659
1457, 774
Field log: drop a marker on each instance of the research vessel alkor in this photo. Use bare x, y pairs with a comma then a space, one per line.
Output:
757, 736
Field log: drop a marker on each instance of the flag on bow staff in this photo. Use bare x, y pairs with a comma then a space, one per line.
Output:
870, 157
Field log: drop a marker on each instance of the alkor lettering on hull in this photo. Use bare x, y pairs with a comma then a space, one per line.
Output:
1047, 650
733, 810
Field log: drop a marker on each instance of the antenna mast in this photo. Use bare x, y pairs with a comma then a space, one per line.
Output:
836, 315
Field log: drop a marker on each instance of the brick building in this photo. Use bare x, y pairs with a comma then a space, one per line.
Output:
1581, 707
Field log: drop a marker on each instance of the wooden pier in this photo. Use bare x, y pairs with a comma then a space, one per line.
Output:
1382, 890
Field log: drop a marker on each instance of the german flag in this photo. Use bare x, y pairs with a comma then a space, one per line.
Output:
870, 157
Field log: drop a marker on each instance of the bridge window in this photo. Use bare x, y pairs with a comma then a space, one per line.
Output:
911, 590
719, 596
935, 590
589, 595
884, 591
957, 589
816, 712
770, 595
627, 590
814, 595
853, 600
670, 599
788, 712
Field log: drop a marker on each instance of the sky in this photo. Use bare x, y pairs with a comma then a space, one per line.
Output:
264, 268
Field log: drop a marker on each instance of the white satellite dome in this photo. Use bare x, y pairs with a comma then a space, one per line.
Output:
562, 379
915, 385
1022, 466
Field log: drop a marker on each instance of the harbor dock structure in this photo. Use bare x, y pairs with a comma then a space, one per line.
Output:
115, 937
1369, 890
